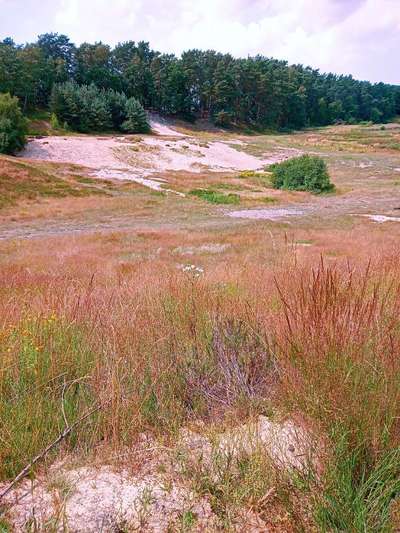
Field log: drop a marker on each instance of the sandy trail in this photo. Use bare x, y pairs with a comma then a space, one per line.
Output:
161, 126
326, 206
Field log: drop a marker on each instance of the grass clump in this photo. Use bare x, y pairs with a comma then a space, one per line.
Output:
358, 494
345, 379
39, 388
215, 197
304, 173
247, 174
269, 200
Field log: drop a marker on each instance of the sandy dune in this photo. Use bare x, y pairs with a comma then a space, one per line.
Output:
140, 158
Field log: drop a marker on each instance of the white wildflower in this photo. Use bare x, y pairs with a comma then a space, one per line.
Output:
192, 270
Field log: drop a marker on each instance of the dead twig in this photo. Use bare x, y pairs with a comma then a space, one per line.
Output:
24, 472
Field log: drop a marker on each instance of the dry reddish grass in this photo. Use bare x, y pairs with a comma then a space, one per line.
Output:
266, 328
110, 318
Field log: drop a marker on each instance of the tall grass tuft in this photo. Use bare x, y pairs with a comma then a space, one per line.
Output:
339, 342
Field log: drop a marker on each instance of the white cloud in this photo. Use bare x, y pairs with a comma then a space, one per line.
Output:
347, 36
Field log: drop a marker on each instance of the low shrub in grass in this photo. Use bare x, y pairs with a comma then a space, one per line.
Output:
216, 197
304, 173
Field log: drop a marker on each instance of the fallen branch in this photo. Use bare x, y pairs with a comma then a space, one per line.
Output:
24, 472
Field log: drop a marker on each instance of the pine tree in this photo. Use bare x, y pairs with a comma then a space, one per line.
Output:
136, 118
12, 125
117, 105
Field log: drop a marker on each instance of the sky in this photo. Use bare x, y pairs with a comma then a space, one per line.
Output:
358, 37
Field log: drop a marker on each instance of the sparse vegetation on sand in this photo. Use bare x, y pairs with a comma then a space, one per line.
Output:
22, 181
215, 197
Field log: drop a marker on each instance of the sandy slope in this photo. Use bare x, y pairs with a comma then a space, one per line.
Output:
140, 158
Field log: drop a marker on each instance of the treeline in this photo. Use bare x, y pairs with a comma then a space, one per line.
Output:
258, 91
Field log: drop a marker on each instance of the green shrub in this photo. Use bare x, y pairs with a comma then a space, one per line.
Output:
304, 173
87, 108
215, 197
13, 125
136, 118
54, 122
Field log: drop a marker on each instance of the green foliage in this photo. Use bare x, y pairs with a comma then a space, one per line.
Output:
54, 122
87, 108
259, 92
32, 387
357, 494
215, 197
223, 118
4, 526
13, 125
304, 173
136, 118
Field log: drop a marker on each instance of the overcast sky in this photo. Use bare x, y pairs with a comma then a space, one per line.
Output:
360, 37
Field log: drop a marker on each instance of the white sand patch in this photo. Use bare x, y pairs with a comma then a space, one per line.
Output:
92, 499
105, 155
381, 218
266, 214
212, 248
161, 126
139, 158
187, 155
89, 500
108, 173
88, 151
286, 444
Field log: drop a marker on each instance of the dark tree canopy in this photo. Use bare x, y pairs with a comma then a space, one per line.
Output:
88, 108
257, 91
12, 125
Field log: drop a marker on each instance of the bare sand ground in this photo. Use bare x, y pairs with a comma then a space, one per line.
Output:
139, 159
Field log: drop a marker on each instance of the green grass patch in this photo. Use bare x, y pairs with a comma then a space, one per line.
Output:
38, 387
269, 200
229, 187
215, 197
394, 146
86, 180
358, 491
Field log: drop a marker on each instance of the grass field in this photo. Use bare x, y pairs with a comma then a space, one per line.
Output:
156, 314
